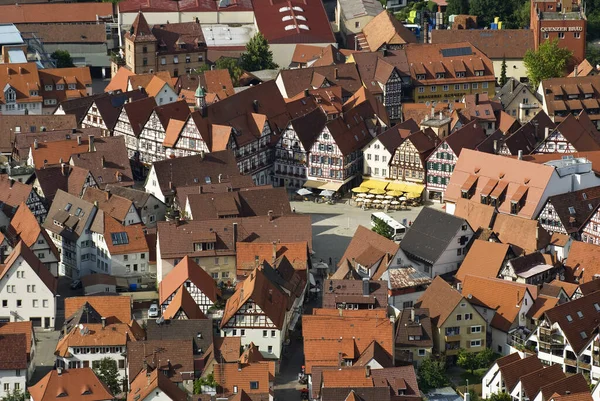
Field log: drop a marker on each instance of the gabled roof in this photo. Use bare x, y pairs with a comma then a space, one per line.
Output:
140, 30
134, 241
75, 384
146, 382
541, 305
297, 80
185, 270
200, 330
532, 382
510, 174
114, 205
69, 211
13, 192
512, 372
251, 355
267, 295
250, 255
575, 209
475, 213
110, 105
175, 357
484, 259
414, 322
26, 226
184, 303
523, 234
466, 137
384, 29
116, 309
582, 138
579, 320
503, 296
367, 247
11, 125
430, 234
393, 137
497, 44
573, 384
441, 299
93, 334
25, 328
326, 336
511, 89
138, 112
229, 375
336, 292
23, 251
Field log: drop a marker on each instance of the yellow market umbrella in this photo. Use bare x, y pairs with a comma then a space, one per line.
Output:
395, 193
377, 191
413, 195
360, 190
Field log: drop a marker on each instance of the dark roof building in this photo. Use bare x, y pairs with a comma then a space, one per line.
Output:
199, 330
357, 294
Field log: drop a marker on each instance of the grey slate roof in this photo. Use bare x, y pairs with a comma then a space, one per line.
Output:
360, 8
430, 234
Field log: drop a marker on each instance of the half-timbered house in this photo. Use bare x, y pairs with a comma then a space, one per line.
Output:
192, 136
131, 122
442, 160
573, 134
575, 214
409, 161
188, 276
13, 193
104, 111
257, 312
291, 150
152, 136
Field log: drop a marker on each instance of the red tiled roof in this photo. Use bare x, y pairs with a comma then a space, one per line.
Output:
116, 309
22, 250
75, 384
185, 270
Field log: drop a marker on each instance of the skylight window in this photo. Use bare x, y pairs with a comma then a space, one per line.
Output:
571, 210
569, 318
580, 314
78, 211
296, 8
590, 206
68, 207
584, 196
597, 307
119, 238
305, 27
583, 335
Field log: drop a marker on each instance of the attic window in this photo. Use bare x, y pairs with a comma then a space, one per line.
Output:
207, 180
583, 335
597, 307
571, 210
584, 196
569, 318
119, 238
590, 206
78, 211
580, 314
68, 207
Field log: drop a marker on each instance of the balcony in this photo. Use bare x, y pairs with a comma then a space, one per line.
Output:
452, 338
570, 362
452, 348
528, 106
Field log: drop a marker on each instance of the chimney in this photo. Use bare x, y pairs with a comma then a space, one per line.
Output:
270, 214
91, 147
512, 85
12, 182
339, 359
59, 371
63, 168
520, 154
102, 161
274, 252
575, 71
467, 396
255, 105
78, 139
306, 94
546, 132
412, 314
335, 74
202, 155
36, 144
239, 367
235, 236
367, 371
365, 287
103, 319
433, 112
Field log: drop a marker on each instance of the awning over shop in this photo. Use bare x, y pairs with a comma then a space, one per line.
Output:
332, 186
314, 184
374, 184
405, 187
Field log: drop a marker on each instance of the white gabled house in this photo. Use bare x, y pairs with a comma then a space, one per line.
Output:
27, 289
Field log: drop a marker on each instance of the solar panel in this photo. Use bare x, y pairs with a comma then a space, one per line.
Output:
119, 238
456, 52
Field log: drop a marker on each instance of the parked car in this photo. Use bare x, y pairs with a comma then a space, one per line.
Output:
76, 284
153, 311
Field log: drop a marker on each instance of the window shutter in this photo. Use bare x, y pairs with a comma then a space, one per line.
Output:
469, 330
468, 344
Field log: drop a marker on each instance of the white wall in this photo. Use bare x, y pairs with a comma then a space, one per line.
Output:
27, 310
514, 68
157, 395
152, 185
212, 17
376, 149
100, 288
80, 357
13, 380
449, 260
256, 336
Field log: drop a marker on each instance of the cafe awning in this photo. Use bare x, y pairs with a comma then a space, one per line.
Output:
314, 184
374, 184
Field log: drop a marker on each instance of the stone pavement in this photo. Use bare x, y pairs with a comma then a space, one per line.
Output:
334, 225
44, 357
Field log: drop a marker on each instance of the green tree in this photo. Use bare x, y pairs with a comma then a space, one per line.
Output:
500, 397
522, 14
108, 372
209, 380
549, 61
232, 65
456, 7
258, 55
63, 59
467, 360
16, 395
592, 54
503, 78
485, 358
432, 373
383, 229
474, 395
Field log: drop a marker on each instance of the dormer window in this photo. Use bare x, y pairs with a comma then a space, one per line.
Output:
203, 246
60, 87
440, 75
9, 94
72, 86
48, 87
420, 76
478, 73
460, 74
33, 93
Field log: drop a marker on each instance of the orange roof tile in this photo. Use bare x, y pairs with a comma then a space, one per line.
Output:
569, 288
22, 77
541, 305
23, 251
250, 254
19, 328
583, 262
184, 303
146, 382
485, 259
440, 299
75, 384
326, 336
116, 309
172, 133
52, 152
232, 374
135, 235
29, 230
119, 81
185, 270
346, 378
112, 335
